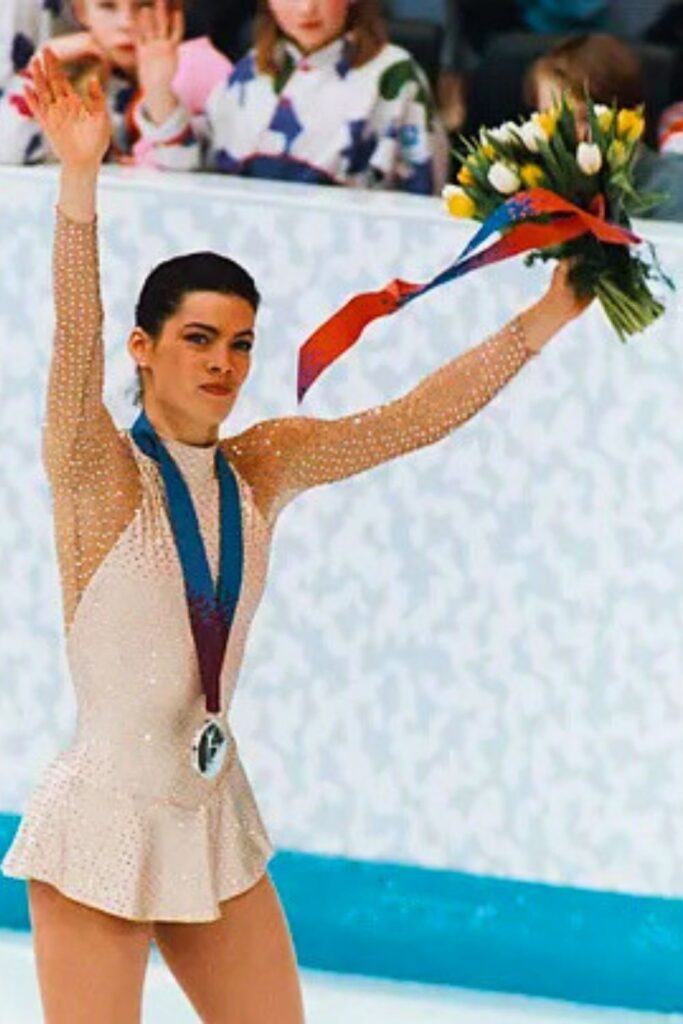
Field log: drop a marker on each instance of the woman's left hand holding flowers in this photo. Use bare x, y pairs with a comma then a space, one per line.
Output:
158, 33
562, 296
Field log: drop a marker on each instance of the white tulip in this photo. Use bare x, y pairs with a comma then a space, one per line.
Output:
497, 134
601, 109
589, 157
532, 133
506, 133
503, 178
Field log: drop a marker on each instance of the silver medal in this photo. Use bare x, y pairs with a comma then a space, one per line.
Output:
209, 748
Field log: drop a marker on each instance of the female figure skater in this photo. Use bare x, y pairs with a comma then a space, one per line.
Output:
143, 828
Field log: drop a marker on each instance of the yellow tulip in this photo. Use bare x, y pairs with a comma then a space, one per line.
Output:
457, 202
488, 151
605, 116
630, 125
532, 175
616, 154
465, 176
605, 120
547, 121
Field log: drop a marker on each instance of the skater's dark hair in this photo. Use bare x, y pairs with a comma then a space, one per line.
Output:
167, 285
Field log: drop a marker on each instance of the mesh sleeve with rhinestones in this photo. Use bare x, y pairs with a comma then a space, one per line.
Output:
92, 476
282, 457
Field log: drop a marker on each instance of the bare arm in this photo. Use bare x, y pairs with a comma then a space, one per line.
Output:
285, 456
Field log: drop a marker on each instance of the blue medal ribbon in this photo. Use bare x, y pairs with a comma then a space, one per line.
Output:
211, 610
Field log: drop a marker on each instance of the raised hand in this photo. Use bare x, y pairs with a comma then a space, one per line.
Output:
558, 306
562, 294
78, 129
158, 33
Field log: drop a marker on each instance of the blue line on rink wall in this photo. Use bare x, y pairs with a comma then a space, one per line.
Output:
447, 927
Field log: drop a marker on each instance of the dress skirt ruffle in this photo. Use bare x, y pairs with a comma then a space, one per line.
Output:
145, 860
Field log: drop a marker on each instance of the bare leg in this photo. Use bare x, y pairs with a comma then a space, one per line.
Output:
240, 969
91, 965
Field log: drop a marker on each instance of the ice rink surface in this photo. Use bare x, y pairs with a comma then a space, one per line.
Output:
329, 999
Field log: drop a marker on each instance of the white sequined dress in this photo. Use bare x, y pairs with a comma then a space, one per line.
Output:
120, 820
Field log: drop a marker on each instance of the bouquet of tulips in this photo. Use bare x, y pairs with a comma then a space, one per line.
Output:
594, 174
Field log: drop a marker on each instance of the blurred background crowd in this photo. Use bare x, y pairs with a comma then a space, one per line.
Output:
357, 93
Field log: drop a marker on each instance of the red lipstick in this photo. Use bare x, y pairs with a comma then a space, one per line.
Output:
215, 389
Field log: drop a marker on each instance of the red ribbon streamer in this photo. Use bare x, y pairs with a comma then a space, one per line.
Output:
343, 329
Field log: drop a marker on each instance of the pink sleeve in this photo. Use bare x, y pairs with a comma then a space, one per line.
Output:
200, 67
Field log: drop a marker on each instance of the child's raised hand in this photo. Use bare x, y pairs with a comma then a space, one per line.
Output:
78, 129
158, 33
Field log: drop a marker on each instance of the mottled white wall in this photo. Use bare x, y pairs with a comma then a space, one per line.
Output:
471, 657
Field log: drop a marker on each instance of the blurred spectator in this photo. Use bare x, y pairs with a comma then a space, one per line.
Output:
25, 25
564, 15
668, 27
611, 71
322, 97
105, 45
671, 129
628, 18
608, 67
633, 18
457, 56
661, 173
668, 30
482, 19
662, 22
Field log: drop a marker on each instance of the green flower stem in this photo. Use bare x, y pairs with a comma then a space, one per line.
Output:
627, 314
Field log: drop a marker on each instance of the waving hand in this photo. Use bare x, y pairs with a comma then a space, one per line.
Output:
78, 129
